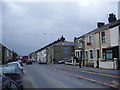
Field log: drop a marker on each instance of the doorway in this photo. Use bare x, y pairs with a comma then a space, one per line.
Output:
98, 56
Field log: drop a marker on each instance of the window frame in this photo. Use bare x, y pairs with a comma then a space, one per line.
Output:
91, 54
90, 39
110, 51
86, 54
103, 38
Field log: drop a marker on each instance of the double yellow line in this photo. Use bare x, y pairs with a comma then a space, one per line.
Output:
87, 71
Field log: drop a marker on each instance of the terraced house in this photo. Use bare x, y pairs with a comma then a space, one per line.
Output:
100, 47
5, 54
56, 50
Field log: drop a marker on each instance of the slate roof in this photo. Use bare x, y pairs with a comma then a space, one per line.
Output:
65, 43
107, 26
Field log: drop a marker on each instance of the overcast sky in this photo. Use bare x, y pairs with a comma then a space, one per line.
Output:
28, 26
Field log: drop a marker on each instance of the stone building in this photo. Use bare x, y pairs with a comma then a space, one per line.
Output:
5, 54
100, 46
61, 50
57, 50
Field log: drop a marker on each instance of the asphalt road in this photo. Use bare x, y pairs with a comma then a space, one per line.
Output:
55, 76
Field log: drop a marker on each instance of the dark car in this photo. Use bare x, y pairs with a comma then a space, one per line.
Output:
14, 73
55, 61
8, 84
29, 61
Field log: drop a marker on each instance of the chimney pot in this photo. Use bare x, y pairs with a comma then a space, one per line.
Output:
112, 18
100, 24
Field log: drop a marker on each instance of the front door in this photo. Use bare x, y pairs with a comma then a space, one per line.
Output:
98, 56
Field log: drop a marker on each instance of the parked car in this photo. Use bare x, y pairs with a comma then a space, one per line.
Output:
33, 60
8, 84
20, 61
63, 61
43, 60
16, 64
69, 61
29, 61
14, 73
55, 61
24, 59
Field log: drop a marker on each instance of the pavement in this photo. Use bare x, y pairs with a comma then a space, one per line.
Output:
27, 82
93, 69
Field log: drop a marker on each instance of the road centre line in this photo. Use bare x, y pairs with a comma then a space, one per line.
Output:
87, 71
86, 78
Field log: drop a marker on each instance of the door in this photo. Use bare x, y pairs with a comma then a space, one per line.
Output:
98, 56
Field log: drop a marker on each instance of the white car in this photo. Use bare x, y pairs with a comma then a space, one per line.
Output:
33, 60
15, 64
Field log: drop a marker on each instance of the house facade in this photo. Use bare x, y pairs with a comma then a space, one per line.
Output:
42, 54
62, 50
100, 47
57, 50
79, 49
5, 54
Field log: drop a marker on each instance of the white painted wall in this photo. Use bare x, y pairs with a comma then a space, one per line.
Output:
107, 64
114, 35
38, 56
43, 55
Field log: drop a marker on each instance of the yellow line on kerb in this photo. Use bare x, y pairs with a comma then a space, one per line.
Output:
88, 71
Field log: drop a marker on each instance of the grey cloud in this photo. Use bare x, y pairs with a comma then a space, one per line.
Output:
29, 26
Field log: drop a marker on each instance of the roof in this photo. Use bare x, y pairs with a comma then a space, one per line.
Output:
65, 43
10, 70
107, 26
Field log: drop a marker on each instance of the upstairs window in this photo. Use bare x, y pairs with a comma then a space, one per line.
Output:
80, 43
103, 37
90, 39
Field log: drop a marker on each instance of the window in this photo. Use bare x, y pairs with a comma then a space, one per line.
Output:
77, 54
80, 43
108, 54
103, 53
91, 54
90, 39
103, 37
86, 54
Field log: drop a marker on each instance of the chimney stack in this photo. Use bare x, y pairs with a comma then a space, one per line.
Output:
62, 39
112, 18
100, 24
